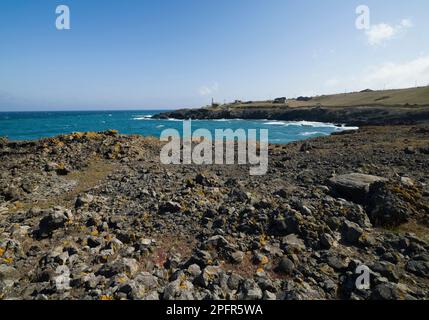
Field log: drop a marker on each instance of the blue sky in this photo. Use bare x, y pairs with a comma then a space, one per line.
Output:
180, 53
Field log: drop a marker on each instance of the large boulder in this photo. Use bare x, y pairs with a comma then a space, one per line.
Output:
170, 207
351, 232
419, 268
391, 204
179, 290
11, 193
55, 219
210, 276
293, 244
286, 266
249, 290
125, 265
353, 186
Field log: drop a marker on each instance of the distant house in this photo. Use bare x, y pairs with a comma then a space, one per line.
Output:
280, 100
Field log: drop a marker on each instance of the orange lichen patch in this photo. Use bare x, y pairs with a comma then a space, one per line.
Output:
90, 135
111, 132
60, 144
82, 135
106, 298
18, 205
2, 251
54, 141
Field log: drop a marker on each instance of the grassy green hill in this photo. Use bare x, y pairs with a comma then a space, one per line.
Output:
400, 97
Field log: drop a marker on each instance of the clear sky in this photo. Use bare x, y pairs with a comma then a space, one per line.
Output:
149, 54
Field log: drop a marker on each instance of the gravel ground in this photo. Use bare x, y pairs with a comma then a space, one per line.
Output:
97, 216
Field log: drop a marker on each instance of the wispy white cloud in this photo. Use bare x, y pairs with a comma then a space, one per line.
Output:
208, 90
391, 75
378, 34
398, 75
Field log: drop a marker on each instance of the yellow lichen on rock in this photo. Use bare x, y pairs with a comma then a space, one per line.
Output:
263, 240
8, 260
264, 260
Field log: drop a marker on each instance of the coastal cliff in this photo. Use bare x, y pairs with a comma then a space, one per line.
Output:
368, 107
353, 116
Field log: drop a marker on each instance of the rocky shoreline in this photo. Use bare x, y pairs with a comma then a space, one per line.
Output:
96, 216
353, 116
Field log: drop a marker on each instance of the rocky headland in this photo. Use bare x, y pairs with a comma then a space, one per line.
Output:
354, 116
367, 107
97, 216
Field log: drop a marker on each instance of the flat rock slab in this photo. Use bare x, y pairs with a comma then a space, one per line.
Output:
354, 186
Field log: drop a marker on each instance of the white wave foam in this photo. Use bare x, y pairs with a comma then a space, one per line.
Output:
312, 133
144, 117
301, 124
276, 123
344, 128
312, 124
225, 120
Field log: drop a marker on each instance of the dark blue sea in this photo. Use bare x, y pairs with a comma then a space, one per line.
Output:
35, 125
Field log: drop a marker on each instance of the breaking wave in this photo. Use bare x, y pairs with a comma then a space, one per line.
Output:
312, 124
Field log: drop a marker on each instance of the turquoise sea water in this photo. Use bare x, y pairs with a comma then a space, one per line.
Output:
35, 125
